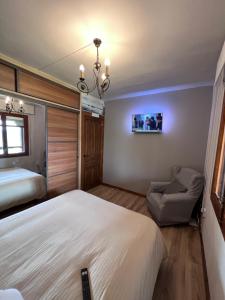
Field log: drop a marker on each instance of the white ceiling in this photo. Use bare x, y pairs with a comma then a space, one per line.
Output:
151, 43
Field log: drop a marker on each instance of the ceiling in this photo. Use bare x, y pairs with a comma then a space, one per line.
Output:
151, 43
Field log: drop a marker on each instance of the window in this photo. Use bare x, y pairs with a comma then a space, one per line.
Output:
14, 140
218, 186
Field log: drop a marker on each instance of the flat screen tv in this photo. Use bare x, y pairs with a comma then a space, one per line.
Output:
146, 123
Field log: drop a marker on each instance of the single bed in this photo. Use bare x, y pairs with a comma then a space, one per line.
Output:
43, 249
18, 186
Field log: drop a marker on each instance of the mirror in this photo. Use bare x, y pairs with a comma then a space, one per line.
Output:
22, 151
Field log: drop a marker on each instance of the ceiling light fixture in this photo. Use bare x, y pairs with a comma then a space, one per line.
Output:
102, 81
10, 106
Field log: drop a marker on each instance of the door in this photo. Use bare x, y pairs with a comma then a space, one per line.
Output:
62, 151
92, 150
7, 77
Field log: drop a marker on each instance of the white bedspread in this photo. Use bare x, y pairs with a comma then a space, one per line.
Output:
18, 186
43, 249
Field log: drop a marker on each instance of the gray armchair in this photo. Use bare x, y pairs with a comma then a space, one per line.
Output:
169, 208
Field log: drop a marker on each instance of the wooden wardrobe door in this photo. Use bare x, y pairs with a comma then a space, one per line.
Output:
62, 151
39, 87
7, 77
92, 150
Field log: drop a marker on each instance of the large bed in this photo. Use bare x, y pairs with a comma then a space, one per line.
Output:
18, 186
43, 249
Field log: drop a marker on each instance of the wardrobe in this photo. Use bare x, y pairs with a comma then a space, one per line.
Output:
74, 138
62, 119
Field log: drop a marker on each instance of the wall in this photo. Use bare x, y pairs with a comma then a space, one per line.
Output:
132, 160
39, 139
214, 244
35, 160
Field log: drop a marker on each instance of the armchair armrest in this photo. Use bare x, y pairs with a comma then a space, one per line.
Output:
177, 207
157, 186
178, 197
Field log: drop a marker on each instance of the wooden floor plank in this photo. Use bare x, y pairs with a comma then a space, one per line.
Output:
181, 276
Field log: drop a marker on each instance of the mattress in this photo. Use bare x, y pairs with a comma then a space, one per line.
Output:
43, 249
18, 186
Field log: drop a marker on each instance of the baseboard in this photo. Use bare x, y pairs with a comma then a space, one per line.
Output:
204, 266
122, 189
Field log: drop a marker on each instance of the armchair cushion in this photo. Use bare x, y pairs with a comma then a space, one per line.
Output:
158, 186
174, 187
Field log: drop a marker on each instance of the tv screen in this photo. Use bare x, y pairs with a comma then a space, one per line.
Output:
151, 122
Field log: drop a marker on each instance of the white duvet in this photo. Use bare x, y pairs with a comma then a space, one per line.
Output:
18, 186
43, 249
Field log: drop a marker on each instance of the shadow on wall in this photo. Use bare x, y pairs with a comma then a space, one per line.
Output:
138, 185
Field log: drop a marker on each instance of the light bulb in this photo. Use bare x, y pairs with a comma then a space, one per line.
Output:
82, 69
107, 62
103, 76
7, 100
21, 103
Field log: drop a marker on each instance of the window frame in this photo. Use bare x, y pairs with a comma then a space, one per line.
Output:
3, 116
219, 207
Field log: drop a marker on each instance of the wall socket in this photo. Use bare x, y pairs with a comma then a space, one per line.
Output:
203, 211
15, 163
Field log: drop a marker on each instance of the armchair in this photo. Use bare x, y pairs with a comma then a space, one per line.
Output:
177, 207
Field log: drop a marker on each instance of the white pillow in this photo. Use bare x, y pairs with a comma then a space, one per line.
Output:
10, 294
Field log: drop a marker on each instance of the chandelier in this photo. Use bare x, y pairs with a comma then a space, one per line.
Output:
101, 80
10, 106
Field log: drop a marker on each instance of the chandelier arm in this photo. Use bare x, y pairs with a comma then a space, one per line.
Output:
105, 85
97, 56
97, 82
99, 90
83, 87
86, 90
94, 80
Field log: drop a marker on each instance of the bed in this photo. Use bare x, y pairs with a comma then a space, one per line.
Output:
18, 186
43, 249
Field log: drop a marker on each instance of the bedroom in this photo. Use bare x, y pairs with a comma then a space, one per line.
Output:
127, 179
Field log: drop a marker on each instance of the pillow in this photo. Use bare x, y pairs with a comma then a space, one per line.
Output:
174, 187
10, 294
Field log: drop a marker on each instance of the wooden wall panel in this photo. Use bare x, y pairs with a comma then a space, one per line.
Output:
62, 126
62, 151
7, 78
35, 86
60, 184
62, 158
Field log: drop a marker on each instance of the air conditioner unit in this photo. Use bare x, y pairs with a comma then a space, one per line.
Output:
92, 104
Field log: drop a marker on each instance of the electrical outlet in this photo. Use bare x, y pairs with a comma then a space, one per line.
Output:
203, 210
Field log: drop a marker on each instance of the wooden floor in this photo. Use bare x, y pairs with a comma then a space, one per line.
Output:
181, 276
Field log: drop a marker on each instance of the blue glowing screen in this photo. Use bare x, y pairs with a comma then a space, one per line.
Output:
151, 122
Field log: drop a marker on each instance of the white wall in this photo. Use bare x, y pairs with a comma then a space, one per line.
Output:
39, 139
35, 160
214, 244
132, 160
